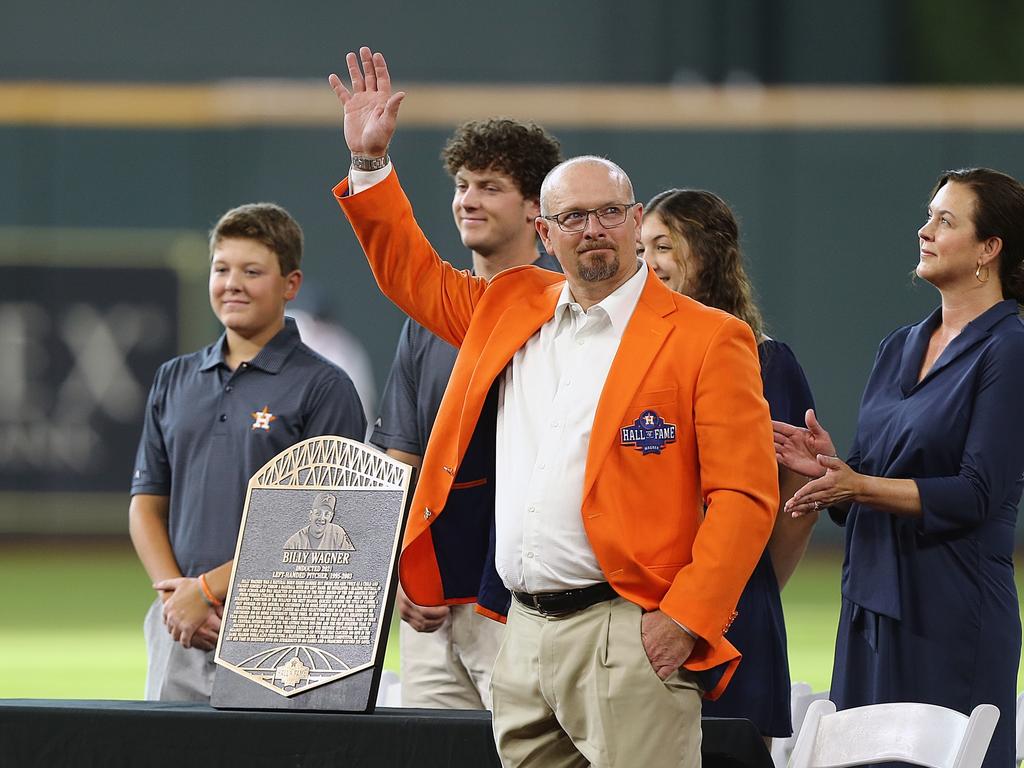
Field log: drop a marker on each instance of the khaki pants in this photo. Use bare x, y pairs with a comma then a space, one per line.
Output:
579, 690
450, 668
173, 672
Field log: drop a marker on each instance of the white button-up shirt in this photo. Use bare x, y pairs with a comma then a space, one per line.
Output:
546, 404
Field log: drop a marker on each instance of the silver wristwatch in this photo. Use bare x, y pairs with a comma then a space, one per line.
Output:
364, 163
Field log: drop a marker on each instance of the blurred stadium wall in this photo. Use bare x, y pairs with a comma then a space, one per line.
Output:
126, 128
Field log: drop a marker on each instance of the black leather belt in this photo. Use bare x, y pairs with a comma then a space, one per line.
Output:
564, 603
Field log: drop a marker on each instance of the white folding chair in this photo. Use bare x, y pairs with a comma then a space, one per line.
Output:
1020, 728
800, 699
389, 693
920, 734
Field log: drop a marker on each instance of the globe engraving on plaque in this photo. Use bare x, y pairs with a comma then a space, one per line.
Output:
308, 607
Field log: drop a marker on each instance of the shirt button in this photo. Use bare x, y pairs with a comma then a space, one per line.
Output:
529, 555
531, 508
580, 342
554, 423
228, 388
223, 417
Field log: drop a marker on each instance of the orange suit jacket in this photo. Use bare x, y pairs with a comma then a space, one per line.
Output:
680, 529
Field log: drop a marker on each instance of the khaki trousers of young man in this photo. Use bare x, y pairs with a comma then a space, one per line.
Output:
450, 668
579, 690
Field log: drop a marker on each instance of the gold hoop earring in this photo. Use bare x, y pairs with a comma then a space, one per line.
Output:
977, 273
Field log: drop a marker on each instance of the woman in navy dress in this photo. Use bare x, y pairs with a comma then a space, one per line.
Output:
691, 241
929, 492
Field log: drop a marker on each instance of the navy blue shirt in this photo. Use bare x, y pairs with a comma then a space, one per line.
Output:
208, 429
959, 433
930, 609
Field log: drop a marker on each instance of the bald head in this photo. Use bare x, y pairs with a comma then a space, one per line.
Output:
565, 177
597, 247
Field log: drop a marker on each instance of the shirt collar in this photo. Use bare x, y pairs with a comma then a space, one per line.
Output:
991, 316
981, 324
270, 359
618, 305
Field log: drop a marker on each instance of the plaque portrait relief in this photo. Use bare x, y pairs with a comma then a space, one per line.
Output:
308, 612
321, 533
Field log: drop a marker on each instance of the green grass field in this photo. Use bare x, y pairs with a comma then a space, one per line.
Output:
71, 621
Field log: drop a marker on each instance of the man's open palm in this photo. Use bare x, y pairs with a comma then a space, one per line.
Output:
371, 109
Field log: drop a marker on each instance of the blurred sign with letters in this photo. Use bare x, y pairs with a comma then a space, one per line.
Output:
78, 350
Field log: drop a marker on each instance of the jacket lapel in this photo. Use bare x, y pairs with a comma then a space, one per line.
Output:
643, 338
513, 328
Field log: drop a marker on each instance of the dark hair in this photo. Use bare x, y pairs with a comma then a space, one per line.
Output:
706, 223
265, 223
525, 151
998, 212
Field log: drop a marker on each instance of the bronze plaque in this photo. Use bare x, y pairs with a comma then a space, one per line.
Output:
309, 605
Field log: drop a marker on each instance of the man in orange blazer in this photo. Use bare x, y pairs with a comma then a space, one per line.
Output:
636, 482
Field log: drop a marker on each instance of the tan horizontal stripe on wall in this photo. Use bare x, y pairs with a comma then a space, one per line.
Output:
303, 103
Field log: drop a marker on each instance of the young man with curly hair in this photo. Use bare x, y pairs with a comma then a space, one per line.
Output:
497, 167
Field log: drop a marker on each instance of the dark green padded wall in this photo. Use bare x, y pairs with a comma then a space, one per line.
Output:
829, 219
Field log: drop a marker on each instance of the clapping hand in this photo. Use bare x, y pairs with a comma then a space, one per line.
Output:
371, 109
839, 484
798, 449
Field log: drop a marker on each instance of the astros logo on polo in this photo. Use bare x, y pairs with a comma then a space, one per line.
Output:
262, 419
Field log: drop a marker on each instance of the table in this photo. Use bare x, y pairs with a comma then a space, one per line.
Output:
41, 732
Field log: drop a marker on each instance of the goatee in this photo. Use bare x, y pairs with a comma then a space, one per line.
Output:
599, 268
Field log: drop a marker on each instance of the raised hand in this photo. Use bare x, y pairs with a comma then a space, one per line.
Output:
798, 449
371, 109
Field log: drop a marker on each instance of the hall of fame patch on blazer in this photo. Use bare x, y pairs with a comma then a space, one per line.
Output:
649, 433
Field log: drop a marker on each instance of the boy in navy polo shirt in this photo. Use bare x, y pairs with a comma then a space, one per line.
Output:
212, 419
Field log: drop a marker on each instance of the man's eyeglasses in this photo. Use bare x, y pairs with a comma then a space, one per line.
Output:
612, 215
